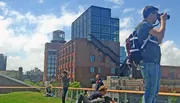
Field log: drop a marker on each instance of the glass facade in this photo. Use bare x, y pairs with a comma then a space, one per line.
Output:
51, 67
122, 54
96, 21
3, 60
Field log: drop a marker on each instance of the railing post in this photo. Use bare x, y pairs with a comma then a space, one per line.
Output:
59, 92
125, 98
119, 97
169, 99
77, 94
67, 95
71, 96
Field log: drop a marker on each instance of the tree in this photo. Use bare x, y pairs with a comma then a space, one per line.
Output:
74, 84
34, 71
173, 99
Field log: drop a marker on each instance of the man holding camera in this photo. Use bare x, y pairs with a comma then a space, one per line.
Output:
151, 53
65, 81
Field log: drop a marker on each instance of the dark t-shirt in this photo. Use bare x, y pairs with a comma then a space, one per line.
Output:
98, 84
151, 51
65, 81
95, 95
48, 90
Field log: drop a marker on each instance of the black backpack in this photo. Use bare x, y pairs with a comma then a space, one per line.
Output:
134, 48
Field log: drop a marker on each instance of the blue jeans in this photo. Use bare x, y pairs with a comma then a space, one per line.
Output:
151, 73
64, 91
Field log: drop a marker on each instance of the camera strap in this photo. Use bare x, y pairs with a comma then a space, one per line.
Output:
156, 24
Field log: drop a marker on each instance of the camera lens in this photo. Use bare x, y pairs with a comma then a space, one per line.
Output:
168, 16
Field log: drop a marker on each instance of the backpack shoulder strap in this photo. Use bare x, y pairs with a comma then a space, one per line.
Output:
145, 41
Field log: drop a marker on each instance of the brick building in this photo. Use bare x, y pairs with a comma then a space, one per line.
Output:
94, 47
50, 55
83, 59
168, 72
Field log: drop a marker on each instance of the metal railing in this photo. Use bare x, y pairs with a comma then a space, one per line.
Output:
105, 49
122, 96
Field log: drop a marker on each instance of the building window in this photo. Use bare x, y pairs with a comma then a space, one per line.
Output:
49, 66
48, 75
52, 70
49, 70
73, 69
106, 13
116, 38
99, 70
105, 21
95, 20
95, 11
49, 57
115, 22
69, 58
100, 58
105, 37
52, 52
92, 58
91, 79
113, 70
91, 69
72, 58
115, 30
105, 29
95, 28
49, 61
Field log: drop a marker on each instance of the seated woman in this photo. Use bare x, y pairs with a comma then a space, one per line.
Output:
96, 97
49, 91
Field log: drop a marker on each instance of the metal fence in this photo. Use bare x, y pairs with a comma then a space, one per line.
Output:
121, 96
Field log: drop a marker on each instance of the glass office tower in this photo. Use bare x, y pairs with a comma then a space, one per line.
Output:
98, 22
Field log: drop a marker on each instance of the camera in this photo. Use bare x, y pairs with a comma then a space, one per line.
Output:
168, 16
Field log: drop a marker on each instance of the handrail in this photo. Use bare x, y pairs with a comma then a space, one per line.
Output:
105, 49
104, 45
91, 89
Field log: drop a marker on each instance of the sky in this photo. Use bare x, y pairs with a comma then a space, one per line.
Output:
26, 25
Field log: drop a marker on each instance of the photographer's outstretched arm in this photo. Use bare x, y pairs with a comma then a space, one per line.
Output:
159, 33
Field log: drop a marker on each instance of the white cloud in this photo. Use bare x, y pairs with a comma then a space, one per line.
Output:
40, 1
2, 4
27, 38
1, 17
124, 33
126, 28
117, 2
128, 10
170, 53
140, 11
126, 22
